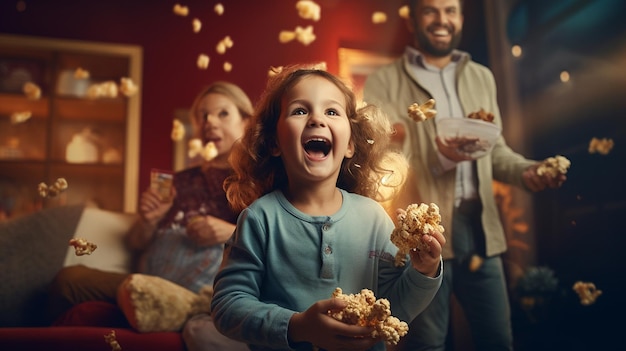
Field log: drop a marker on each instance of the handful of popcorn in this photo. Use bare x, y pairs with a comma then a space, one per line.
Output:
587, 292
365, 310
413, 223
420, 113
554, 166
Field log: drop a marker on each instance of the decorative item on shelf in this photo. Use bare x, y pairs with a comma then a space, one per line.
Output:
68, 84
82, 148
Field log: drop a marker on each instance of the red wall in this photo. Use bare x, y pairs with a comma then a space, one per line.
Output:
170, 47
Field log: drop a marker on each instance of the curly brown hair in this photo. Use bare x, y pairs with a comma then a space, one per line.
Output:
374, 167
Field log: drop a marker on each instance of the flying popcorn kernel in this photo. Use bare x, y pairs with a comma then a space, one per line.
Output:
112, 341
59, 186
196, 24
181, 10
178, 130
81, 73
20, 117
31, 90
305, 35
286, 36
274, 71
203, 61
554, 166
404, 12
224, 44
422, 112
412, 224
602, 146
228, 66
587, 292
194, 147
219, 9
128, 87
209, 151
363, 309
379, 17
82, 247
308, 10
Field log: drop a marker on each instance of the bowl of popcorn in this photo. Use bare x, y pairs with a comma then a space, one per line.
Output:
474, 137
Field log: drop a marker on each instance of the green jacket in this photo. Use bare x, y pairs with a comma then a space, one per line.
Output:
394, 88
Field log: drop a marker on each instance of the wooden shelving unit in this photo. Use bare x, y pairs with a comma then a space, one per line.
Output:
36, 150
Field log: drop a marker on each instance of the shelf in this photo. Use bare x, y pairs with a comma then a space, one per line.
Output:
11, 103
105, 130
109, 110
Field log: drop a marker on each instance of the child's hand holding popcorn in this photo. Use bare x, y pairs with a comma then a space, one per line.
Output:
325, 332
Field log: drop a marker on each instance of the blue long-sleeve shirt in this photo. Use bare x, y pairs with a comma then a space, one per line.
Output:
281, 261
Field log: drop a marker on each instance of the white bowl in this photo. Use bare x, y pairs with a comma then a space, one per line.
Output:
480, 136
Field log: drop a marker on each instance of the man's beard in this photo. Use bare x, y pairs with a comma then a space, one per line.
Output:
437, 51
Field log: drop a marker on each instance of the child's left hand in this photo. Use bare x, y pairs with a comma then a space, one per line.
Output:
427, 262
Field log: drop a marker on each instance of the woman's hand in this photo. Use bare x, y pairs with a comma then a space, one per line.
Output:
209, 230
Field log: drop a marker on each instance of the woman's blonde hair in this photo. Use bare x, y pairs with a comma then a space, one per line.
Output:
231, 91
373, 171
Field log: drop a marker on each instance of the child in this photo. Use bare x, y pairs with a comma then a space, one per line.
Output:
306, 172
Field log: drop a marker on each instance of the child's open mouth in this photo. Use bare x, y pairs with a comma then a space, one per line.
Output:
318, 147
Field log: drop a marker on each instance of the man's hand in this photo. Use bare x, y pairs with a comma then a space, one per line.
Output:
450, 148
535, 182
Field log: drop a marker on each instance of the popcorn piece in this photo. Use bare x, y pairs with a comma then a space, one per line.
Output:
59, 186
128, 87
224, 44
196, 24
194, 147
404, 12
181, 10
31, 90
112, 341
219, 9
209, 151
228, 66
379, 17
106, 89
413, 223
274, 71
81, 73
203, 61
587, 292
42, 189
482, 115
554, 166
82, 247
420, 113
364, 309
20, 117
305, 35
475, 263
178, 130
286, 36
602, 146
308, 10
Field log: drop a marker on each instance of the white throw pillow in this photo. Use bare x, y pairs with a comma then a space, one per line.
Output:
106, 229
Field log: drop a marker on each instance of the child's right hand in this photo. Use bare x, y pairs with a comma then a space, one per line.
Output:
316, 327
151, 208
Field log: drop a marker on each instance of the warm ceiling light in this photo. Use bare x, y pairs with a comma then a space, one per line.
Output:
565, 76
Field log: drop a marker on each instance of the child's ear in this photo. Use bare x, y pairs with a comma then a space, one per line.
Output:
350, 151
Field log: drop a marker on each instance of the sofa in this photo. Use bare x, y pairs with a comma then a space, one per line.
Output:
32, 250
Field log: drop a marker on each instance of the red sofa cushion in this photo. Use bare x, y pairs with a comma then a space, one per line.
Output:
86, 338
93, 314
